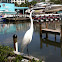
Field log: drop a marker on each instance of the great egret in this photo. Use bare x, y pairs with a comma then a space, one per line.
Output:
28, 35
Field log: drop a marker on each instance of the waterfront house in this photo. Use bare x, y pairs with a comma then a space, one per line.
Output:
10, 8
13, 1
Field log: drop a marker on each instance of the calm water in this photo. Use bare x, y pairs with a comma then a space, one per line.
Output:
50, 51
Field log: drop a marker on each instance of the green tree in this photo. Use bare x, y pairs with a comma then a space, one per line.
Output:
43, 0
27, 4
56, 1
33, 2
16, 4
22, 5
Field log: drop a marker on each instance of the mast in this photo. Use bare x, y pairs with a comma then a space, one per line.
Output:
7, 1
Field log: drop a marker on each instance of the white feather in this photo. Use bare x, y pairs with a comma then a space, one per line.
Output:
28, 35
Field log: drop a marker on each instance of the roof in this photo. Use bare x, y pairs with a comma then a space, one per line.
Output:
21, 7
6, 3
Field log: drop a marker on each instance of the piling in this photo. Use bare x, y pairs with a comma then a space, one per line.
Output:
61, 39
61, 34
46, 25
40, 29
46, 35
15, 42
40, 26
15, 17
40, 36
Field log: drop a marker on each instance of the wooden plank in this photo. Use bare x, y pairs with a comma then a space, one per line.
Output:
51, 30
18, 18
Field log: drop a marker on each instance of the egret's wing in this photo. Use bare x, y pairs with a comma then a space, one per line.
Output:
26, 39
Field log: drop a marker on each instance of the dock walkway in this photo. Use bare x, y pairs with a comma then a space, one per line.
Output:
51, 30
18, 18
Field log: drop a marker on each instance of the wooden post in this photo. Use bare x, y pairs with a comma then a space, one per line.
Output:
46, 35
61, 39
40, 29
46, 25
41, 42
40, 35
61, 34
15, 17
46, 38
23, 12
40, 25
15, 42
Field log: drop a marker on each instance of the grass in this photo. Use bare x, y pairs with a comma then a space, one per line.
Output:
6, 52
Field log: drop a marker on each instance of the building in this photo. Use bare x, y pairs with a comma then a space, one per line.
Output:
13, 1
10, 8
18, 1
47, 0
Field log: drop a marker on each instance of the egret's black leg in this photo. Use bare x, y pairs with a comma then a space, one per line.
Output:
27, 50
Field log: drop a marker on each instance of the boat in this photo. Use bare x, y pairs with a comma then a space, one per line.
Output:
43, 4
55, 8
39, 8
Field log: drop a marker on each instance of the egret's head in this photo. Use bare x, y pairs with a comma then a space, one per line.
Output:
31, 11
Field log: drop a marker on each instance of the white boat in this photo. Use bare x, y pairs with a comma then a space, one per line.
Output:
42, 4
53, 8
4, 14
39, 7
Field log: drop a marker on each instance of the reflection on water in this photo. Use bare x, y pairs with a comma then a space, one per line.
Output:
47, 47
8, 28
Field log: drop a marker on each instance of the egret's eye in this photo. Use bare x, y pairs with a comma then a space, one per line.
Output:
30, 10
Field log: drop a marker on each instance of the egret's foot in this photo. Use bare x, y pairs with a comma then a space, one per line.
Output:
18, 53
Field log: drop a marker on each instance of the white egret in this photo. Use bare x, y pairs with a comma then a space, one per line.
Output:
28, 35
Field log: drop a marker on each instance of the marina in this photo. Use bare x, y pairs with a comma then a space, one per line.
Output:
52, 44
34, 32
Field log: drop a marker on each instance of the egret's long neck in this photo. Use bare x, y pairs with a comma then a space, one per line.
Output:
31, 27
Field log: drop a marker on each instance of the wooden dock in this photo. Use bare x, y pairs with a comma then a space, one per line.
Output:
18, 18
51, 31
46, 30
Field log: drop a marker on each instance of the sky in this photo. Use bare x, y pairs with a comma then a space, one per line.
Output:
30, 0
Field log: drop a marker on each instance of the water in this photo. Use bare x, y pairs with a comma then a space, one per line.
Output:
50, 51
